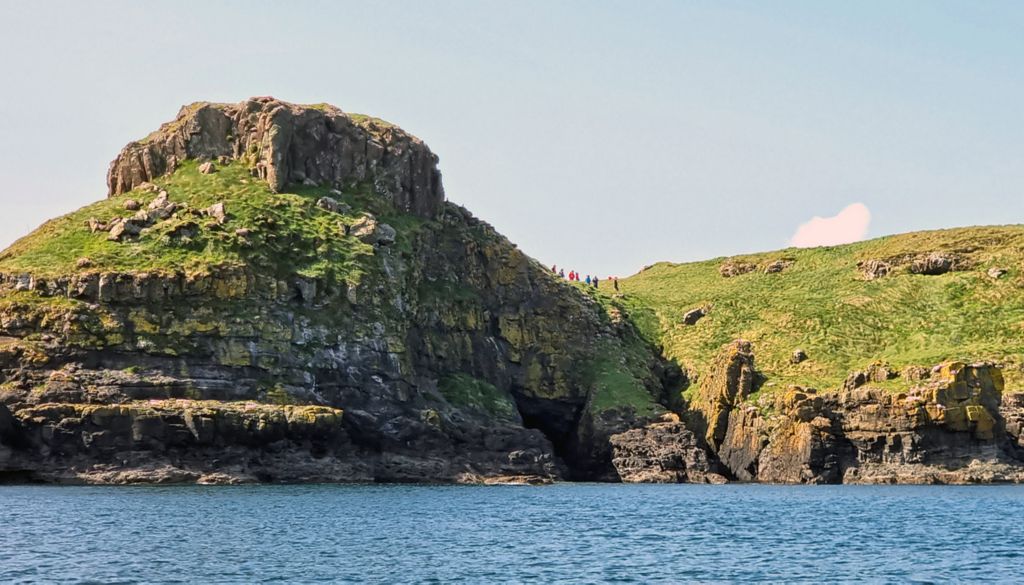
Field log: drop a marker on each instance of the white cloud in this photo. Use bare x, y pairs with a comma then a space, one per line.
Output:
849, 225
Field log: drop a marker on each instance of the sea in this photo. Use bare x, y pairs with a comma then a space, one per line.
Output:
562, 533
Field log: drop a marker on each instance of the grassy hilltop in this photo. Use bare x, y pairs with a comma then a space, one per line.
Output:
286, 232
822, 302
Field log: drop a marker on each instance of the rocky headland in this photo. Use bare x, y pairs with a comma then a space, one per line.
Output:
280, 292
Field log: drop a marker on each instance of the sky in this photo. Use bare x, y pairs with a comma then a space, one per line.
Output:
598, 136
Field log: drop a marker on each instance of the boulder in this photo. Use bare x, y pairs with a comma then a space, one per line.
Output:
874, 268
96, 225
935, 263
124, 227
734, 268
332, 205
217, 212
776, 266
693, 315
798, 356
386, 235
370, 231
131, 205
876, 372
996, 273
364, 228
207, 168
162, 200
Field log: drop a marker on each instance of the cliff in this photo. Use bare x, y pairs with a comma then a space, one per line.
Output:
277, 292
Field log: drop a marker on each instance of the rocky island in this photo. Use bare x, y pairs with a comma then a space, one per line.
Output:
275, 292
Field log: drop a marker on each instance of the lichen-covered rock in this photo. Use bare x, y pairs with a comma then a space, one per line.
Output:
728, 382
777, 266
874, 268
953, 428
734, 268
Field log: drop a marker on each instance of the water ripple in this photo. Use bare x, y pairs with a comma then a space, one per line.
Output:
558, 534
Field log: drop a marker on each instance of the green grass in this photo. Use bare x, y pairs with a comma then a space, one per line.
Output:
822, 305
466, 391
364, 120
289, 234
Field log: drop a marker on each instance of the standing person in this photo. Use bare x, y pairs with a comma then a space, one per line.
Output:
615, 282
572, 276
554, 268
595, 281
588, 279
561, 273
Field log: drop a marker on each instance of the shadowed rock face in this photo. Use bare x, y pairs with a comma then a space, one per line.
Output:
287, 143
662, 452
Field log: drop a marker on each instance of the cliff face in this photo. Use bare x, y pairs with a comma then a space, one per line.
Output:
285, 143
313, 327
955, 425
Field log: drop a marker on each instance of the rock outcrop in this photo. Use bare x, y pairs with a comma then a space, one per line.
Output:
950, 429
930, 263
287, 143
662, 452
730, 380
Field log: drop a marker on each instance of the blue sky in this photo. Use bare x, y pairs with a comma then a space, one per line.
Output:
601, 136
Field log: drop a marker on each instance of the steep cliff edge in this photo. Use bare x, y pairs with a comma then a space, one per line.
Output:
275, 292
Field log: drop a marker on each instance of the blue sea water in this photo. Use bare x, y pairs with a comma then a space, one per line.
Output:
551, 534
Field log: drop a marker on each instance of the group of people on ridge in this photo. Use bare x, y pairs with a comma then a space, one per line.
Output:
574, 276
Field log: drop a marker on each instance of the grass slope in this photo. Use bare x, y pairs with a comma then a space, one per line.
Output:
288, 233
822, 305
